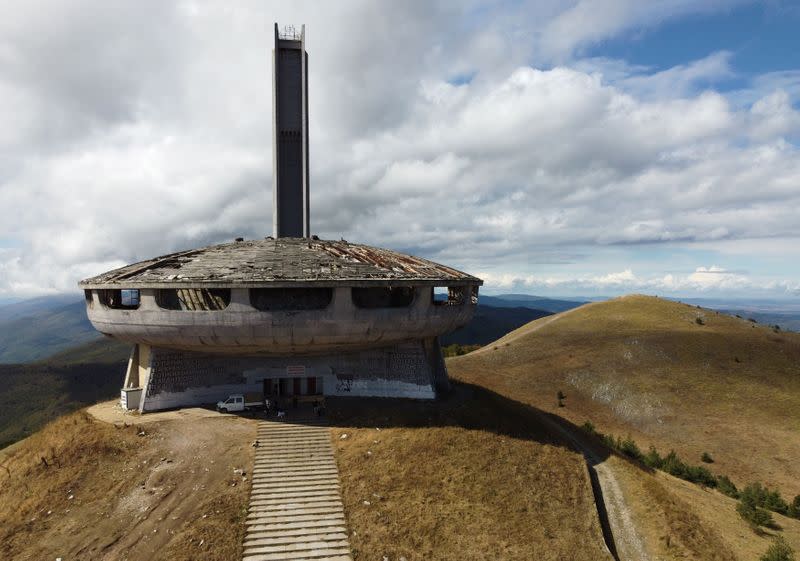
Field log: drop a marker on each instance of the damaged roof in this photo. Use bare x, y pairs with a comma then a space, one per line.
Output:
281, 262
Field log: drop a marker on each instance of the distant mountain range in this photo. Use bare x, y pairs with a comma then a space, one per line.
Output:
35, 329
551, 305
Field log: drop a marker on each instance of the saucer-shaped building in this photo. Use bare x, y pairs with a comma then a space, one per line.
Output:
285, 316
289, 315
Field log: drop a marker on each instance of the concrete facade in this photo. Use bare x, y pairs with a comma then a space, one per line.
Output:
290, 135
243, 330
168, 378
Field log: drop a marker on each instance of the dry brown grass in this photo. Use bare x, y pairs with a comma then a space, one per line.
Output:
133, 497
473, 477
643, 366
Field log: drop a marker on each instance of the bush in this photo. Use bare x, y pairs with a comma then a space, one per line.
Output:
706, 457
652, 459
629, 448
754, 515
778, 551
727, 487
763, 497
794, 508
608, 440
588, 427
699, 321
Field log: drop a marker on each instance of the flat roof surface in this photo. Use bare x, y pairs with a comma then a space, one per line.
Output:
280, 262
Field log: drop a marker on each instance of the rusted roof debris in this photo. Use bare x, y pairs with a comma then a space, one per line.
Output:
280, 262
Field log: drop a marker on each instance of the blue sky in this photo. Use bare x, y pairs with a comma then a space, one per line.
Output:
560, 148
761, 36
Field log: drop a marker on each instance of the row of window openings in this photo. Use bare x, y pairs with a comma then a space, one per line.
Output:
281, 299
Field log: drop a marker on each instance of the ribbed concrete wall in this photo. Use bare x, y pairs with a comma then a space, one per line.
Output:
179, 378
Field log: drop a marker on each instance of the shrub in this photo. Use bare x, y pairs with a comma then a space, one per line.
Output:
608, 440
794, 508
629, 448
673, 465
699, 321
778, 551
706, 457
701, 476
652, 459
727, 487
588, 427
763, 497
753, 514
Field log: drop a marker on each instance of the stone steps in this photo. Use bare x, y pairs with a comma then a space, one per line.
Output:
295, 511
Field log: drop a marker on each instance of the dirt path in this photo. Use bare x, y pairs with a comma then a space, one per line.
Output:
624, 541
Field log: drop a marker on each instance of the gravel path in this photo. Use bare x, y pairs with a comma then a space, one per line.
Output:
624, 543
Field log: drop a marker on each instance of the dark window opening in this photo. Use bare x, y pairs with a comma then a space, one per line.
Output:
383, 297
120, 299
455, 296
474, 295
290, 299
87, 294
193, 299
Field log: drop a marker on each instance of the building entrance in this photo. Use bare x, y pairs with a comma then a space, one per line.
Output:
284, 387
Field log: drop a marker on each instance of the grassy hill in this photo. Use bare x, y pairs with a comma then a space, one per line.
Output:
32, 395
140, 490
473, 476
673, 376
490, 323
104, 350
668, 374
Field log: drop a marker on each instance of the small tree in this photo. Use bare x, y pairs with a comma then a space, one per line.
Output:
652, 459
629, 448
706, 457
755, 516
778, 551
726, 486
794, 508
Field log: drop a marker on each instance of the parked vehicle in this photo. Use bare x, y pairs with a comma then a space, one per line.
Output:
240, 402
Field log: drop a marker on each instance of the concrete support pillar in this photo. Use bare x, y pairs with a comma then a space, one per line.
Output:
240, 300
342, 301
145, 369
132, 373
147, 300
439, 377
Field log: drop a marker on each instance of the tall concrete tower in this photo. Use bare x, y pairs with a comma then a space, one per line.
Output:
290, 206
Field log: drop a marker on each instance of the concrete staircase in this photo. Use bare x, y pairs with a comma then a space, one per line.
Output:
295, 509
